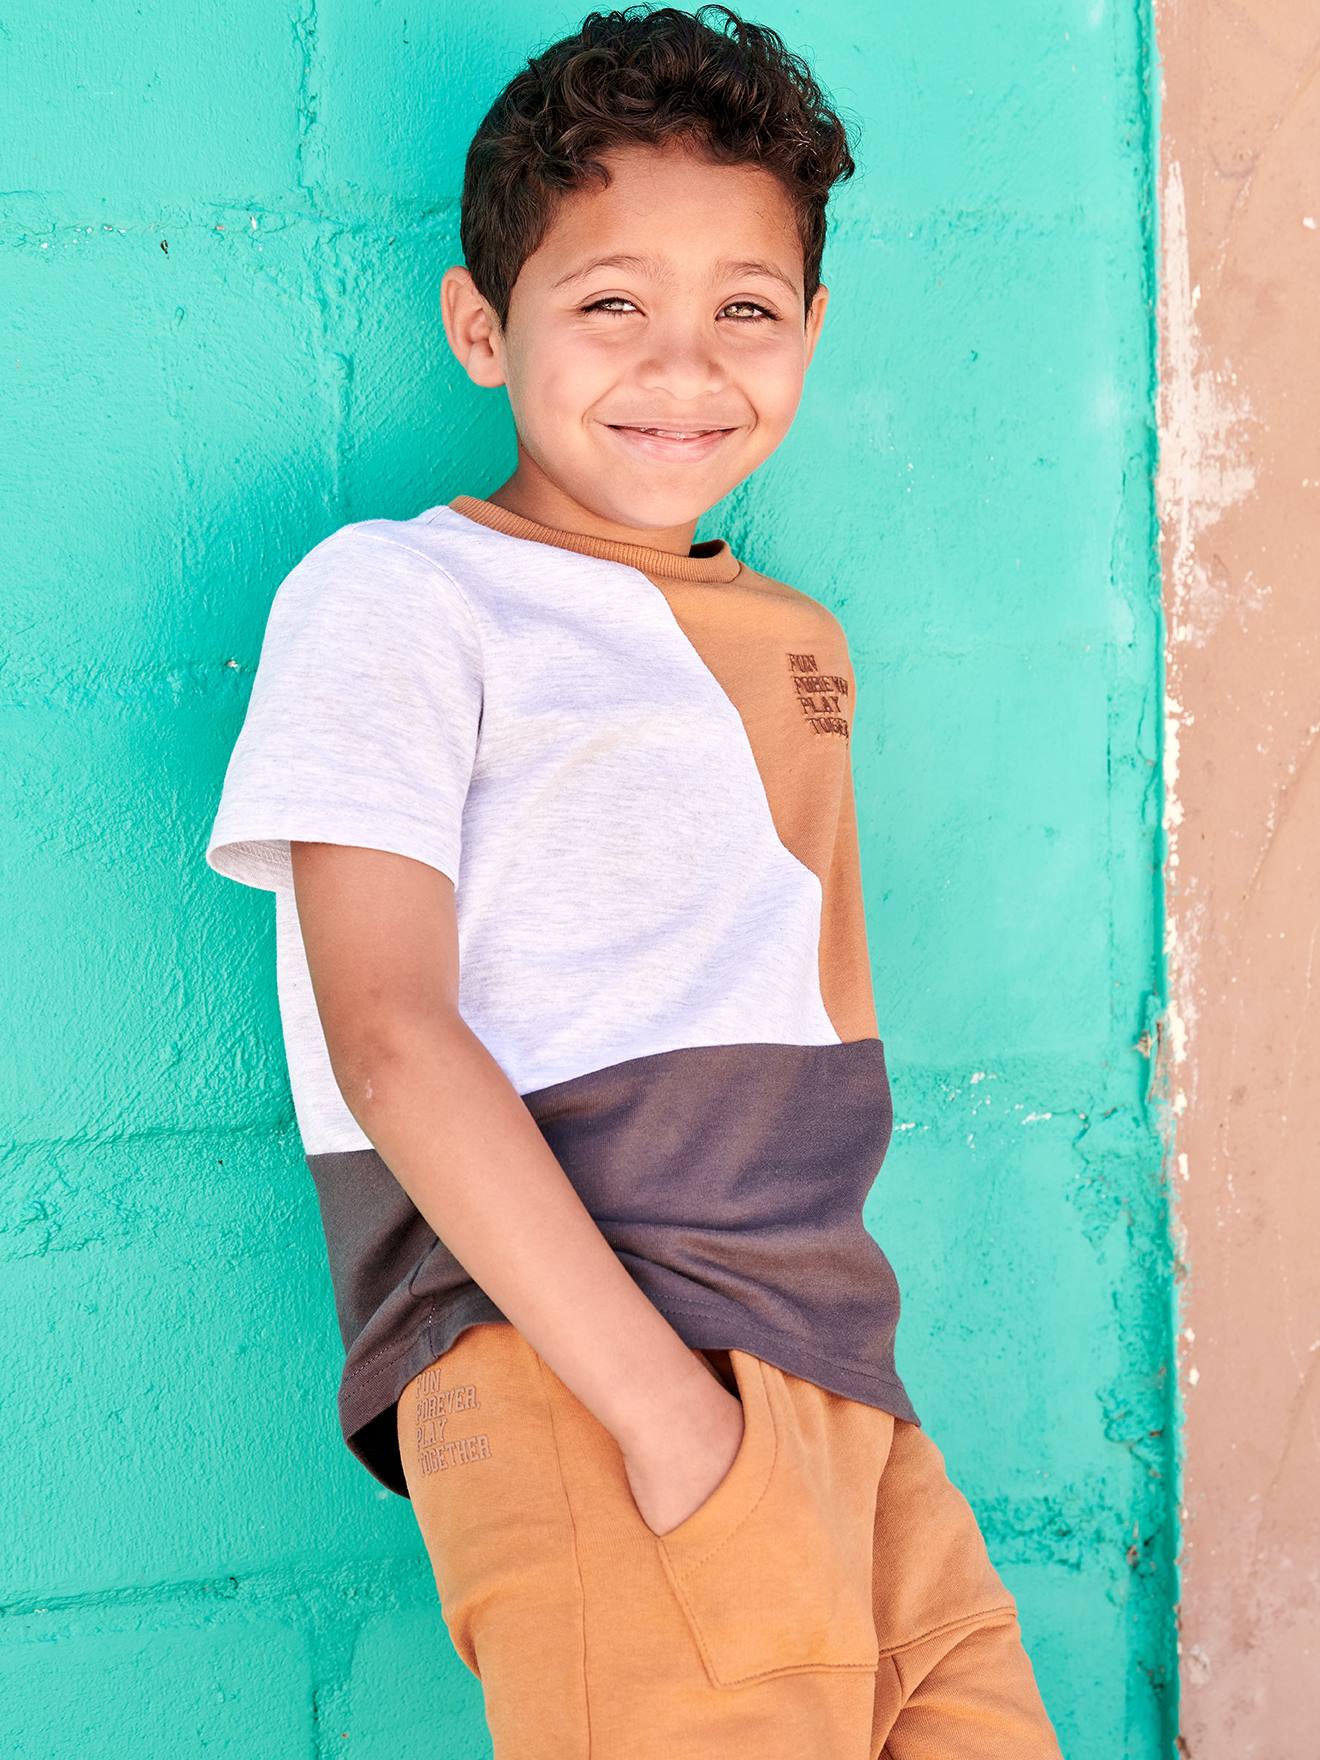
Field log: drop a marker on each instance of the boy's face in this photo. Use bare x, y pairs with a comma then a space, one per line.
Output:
691, 339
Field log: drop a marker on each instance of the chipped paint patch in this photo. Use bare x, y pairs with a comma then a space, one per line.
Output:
1205, 420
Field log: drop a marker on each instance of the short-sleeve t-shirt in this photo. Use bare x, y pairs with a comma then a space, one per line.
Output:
635, 767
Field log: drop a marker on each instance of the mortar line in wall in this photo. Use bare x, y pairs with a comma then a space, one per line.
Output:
310, 179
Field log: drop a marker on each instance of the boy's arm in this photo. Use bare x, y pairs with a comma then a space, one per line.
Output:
381, 938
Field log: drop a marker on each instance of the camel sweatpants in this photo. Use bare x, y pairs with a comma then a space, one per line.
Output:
832, 1599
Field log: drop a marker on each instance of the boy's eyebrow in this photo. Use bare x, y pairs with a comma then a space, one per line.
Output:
653, 266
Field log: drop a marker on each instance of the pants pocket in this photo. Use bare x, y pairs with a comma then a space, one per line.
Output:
773, 1570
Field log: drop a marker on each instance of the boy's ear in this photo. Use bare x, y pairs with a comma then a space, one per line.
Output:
815, 318
472, 327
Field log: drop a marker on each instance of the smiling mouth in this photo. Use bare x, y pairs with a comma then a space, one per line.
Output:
668, 433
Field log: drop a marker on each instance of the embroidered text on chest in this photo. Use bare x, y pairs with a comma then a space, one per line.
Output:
820, 694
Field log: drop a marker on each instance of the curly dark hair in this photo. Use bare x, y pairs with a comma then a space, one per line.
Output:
645, 76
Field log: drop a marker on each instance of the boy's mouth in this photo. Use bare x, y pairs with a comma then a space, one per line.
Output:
668, 433
660, 442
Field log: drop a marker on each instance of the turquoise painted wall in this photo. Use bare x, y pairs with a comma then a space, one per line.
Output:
221, 251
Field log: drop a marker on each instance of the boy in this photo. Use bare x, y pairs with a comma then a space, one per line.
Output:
557, 806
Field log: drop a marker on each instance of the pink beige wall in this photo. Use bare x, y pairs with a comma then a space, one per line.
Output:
1239, 497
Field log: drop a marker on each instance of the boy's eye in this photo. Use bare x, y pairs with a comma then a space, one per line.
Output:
617, 299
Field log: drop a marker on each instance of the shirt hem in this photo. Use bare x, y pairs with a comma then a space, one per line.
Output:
370, 1390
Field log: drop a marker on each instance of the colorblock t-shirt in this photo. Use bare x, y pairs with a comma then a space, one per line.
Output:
635, 768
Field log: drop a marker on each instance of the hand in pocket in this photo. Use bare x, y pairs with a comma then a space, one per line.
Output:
676, 1469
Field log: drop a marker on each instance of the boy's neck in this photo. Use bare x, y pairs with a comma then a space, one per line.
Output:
710, 561
533, 496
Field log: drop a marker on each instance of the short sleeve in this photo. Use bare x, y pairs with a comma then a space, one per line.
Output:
362, 723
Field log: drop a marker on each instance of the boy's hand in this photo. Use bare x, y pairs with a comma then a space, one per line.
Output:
674, 1468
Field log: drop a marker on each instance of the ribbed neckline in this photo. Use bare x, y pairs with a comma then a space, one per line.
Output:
711, 560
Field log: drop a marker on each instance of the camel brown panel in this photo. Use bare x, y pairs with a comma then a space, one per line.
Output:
791, 681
